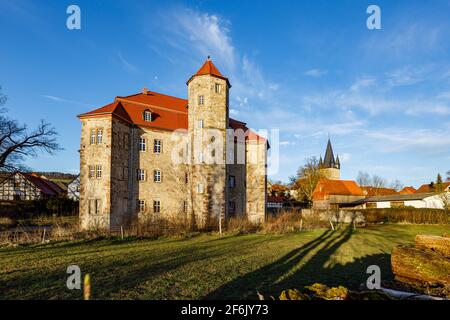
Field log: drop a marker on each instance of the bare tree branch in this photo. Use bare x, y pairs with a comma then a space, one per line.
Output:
17, 142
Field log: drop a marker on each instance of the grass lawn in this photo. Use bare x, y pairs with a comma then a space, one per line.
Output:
205, 266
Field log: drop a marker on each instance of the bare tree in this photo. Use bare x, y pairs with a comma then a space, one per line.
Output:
18, 142
307, 177
363, 179
448, 176
378, 182
397, 185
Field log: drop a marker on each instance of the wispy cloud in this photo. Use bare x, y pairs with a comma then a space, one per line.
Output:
127, 65
315, 73
59, 99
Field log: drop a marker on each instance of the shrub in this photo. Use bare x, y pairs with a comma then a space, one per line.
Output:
406, 215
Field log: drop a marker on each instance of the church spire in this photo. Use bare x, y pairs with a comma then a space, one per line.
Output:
329, 161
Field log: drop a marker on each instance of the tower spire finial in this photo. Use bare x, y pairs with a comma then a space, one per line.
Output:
209, 58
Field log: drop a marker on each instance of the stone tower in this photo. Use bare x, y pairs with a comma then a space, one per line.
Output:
208, 121
330, 165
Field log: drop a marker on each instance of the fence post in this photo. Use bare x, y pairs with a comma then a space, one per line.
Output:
43, 236
121, 231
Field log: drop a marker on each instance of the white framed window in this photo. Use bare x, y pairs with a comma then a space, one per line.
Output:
141, 205
93, 136
91, 171
201, 100
201, 123
99, 136
157, 146
157, 175
99, 171
200, 157
217, 88
142, 144
141, 174
156, 206
147, 115
200, 188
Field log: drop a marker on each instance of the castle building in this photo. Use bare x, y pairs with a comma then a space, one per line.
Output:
330, 165
153, 155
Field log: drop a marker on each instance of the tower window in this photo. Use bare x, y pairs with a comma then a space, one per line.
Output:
99, 171
186, 178
147, 115
201, 123
200, 157
91, 171
185, 206
141, 174
200, 188
141, 205
99, 136
157, 176
157, 146
93, 136
142, 144
217, 88
156, 206
201, 100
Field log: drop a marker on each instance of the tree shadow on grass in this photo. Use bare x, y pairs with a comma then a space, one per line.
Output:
297, 269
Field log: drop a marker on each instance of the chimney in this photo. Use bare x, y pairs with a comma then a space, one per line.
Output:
145, 91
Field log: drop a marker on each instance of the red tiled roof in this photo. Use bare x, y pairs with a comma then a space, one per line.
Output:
168, 113
325, 188
208, 68
427, 187
408, 190
275, 199
374, 191
47, 187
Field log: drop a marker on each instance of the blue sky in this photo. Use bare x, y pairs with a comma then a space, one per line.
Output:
308, 68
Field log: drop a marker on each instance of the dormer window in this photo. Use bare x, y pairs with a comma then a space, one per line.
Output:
147, 115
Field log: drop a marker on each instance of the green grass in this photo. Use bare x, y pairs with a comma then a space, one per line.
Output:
205, 266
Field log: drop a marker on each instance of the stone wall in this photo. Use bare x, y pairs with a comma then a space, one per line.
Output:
256, 191
95, 189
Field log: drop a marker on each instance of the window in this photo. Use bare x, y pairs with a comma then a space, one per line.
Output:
213, 153
147, 116
99, 171
142, 144
200, 123
156, 206
126, 139
141, 205
157, 176
94, 206
231, 181
141, 174
93, 136
186, 178
217, 88
185, 206
157, 146
97, 206
232, 208
200, 188
201, 100
99, 136
200, 157
91, 171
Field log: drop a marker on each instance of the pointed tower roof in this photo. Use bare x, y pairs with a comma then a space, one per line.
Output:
208, 68
329, 161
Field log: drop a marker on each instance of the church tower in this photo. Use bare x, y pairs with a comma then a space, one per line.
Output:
330, 165
208, 121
